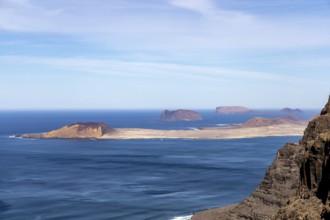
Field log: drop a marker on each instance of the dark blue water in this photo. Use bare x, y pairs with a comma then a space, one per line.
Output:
129, 179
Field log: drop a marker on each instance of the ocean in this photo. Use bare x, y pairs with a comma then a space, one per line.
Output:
124, 179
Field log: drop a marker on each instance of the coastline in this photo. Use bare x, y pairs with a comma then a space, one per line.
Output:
233, 132
207, 133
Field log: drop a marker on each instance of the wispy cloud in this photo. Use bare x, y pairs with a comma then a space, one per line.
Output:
48, 81
118, 26
210, 9
147, 69
206, 7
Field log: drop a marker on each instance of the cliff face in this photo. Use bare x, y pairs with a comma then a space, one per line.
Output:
296, 185
312, 200
180, 115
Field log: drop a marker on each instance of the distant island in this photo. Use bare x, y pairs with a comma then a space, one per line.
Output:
180, 115
256, 127
227, 110
291, 111
232, 110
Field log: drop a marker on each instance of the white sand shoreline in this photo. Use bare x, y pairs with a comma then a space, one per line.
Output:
207, 133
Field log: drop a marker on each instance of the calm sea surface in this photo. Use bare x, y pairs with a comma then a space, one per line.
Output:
126, 179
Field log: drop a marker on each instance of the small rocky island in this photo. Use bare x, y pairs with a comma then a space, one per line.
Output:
232, 110
291, 111
180, 115
75, 130
296, 185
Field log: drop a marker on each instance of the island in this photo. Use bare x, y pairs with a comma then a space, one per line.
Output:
256, 127
232, 110
291, 111
180, 115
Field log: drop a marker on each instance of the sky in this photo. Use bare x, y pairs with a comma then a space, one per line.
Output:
156, 54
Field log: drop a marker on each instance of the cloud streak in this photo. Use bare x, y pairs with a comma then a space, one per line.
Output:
123, 29
147, 69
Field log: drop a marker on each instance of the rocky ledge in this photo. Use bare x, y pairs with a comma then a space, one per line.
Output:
180, 115
295, 186
232, 110
75, 130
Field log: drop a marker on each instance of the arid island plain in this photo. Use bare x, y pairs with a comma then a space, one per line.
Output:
255, 127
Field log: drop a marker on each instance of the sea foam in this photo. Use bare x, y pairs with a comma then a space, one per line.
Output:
187, 217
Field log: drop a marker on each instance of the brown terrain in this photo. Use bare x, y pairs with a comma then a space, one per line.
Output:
180, 115
232, 110
262, 122
75, 130
296, 185
256, 127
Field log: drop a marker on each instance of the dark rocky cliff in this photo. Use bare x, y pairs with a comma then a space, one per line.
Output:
296, 185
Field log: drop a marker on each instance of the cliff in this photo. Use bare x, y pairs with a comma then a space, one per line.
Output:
232, 110
180, 115
75, 130
295, 186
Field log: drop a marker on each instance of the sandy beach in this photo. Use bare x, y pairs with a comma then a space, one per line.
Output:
208, 133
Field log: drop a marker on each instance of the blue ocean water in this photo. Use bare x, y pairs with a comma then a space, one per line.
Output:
124, 179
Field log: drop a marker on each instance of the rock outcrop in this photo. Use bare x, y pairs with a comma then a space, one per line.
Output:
180, 115
261, 122
295, 186
75, 130
232, 110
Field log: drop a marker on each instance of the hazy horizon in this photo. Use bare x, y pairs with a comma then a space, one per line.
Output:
166, 54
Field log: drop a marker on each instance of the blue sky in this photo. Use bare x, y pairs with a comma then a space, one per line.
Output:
135, 54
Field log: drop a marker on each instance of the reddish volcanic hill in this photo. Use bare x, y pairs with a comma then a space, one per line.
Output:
80, 130
75, 130
261, 122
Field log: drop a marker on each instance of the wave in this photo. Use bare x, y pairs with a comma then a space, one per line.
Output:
193, 128
14, 136
187, 217
222, 125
